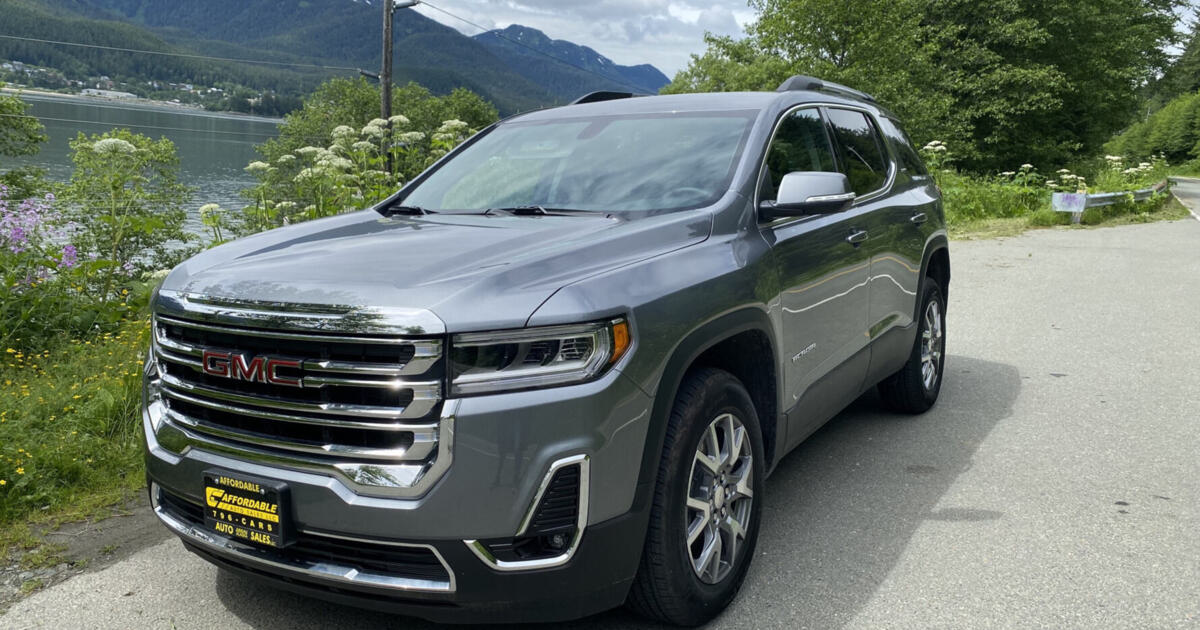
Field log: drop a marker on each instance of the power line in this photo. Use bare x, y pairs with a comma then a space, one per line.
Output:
174, 54
637, 89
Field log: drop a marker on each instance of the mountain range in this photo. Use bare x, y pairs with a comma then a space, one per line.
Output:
517, 68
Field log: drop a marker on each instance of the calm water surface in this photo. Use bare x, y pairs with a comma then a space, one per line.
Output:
213, 148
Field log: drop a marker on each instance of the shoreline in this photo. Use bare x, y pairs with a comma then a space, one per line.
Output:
140, 103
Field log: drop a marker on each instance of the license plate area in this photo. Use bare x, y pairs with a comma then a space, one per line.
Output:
246, 508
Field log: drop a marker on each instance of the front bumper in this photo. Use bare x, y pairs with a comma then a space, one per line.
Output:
504, 447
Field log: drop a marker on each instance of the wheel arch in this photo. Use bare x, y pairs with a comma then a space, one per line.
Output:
935, 264
713, 344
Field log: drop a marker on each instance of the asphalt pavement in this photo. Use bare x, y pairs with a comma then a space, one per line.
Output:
1056, 483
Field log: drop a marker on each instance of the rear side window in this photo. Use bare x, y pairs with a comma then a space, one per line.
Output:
902, 148
864, 161
800, 144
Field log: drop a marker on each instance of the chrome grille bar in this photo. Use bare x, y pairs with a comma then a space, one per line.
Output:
424, 441
312, 420
308, 382
425, 398
426, 352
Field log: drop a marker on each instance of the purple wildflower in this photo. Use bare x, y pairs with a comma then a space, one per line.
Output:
70, 257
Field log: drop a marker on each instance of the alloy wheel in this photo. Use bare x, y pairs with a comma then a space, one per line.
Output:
932, 345
719, 498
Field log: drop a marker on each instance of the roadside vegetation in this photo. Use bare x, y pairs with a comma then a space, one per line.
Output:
80, 259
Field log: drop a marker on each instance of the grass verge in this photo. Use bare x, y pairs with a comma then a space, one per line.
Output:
1166, 208
70, 446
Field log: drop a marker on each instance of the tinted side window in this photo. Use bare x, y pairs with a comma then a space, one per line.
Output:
800, 144
902, 148
864, 161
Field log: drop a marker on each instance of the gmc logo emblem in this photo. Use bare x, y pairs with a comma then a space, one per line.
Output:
241, 367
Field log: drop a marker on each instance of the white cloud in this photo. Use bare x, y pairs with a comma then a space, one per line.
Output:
660, 32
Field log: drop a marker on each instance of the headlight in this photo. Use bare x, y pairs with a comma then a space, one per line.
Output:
484, 363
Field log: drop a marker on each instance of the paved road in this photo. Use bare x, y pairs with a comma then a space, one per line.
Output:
1056, 484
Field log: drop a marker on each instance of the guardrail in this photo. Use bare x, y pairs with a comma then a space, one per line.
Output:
1076, 203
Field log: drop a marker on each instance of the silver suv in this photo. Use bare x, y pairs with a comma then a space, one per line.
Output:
551, 374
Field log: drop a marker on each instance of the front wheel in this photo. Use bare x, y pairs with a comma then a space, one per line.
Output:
707, 503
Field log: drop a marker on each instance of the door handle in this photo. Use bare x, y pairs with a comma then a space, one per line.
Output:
918, 218
856, 237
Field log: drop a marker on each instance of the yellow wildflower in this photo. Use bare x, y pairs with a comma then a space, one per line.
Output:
20, 471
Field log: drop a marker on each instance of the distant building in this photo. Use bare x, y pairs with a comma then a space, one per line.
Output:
107, 93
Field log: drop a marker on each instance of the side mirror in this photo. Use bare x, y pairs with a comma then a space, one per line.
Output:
809, 192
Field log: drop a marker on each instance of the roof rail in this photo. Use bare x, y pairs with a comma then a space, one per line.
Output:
602, 95
813, 84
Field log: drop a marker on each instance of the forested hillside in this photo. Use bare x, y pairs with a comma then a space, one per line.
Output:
531, 58
1171, 126
341, 33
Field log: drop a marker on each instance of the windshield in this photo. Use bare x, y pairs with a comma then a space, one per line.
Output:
637, 163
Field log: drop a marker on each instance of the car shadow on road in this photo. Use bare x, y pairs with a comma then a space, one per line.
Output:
840, 511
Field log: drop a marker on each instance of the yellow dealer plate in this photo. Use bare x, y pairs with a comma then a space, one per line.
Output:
240, 507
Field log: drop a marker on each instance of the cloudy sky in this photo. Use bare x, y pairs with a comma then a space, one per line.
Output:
661, 32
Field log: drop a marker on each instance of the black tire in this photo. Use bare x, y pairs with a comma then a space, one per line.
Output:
908, 391
667, 588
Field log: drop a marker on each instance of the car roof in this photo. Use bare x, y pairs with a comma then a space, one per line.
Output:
697, 102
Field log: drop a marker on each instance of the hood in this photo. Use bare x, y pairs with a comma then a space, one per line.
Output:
474, 272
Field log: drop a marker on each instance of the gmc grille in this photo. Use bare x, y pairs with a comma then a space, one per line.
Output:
359, 400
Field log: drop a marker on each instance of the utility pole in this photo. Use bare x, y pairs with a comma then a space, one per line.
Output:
385, 74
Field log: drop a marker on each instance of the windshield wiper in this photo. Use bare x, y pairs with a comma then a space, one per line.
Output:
535, 210
405, 210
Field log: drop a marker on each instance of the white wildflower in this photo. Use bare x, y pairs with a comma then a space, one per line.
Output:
113, 145
453, 126
343, 131
307, 151
305, 175
209, 208
1026, 167
284, 206
398, 120
363, 146
409, 137
286, 159
1063, 170
257, 167
1007, 174
335, 162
